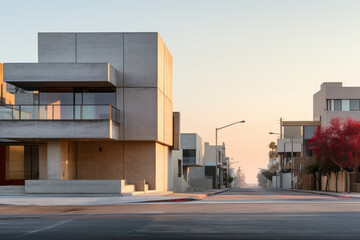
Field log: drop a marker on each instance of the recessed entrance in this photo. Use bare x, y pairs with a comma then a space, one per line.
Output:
18, 163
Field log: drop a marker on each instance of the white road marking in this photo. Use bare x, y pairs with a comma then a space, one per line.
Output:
48, 227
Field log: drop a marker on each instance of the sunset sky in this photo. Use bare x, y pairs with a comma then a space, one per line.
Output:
233, 60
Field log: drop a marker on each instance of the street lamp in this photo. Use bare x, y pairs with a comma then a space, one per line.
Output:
292, 156
216, 151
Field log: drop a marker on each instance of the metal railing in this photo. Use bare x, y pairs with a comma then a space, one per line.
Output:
59, 112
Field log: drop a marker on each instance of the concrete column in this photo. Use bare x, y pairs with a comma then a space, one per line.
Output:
55, 155
43, 169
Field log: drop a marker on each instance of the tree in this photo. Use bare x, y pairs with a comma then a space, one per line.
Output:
337, 144
273, 152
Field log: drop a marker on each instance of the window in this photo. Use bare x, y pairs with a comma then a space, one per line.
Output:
337, 105
345, 105
179, 168
354, 105
189, 156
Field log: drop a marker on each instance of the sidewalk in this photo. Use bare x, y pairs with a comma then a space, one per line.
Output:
333, 194
71, 199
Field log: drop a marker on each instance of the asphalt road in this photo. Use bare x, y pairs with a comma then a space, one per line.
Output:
235, 214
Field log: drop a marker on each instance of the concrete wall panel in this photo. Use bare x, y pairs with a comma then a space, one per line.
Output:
57, 47
168, 122
92, 129
160, 116
140, 113
140, 55
168, 74
161, 64
102, 47
100, 160
60, 74
139, 163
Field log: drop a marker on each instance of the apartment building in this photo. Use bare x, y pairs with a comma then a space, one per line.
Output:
93, 115
334, 100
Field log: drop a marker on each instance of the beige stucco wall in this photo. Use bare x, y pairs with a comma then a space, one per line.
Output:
332, 181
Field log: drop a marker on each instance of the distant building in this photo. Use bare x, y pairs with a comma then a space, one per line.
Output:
334, 100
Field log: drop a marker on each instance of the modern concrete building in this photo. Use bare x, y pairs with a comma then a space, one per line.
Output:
93, 112
334, 100
192, 146
213, 169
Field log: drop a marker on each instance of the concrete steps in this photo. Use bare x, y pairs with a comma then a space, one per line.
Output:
129, 188
12, 190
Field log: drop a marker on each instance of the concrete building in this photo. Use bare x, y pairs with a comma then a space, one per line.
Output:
213, 169
93, 112
334, 100
192, 147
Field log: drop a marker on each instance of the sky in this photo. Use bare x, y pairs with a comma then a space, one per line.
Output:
254, 60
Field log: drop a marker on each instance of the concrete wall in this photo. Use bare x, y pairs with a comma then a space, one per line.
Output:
35, 129
74, 186
201, 184
100, 160
286, 180
196, 172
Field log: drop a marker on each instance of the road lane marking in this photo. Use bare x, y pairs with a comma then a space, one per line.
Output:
48, 227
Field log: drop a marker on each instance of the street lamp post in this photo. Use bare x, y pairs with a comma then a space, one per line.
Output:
216, 146
292, 156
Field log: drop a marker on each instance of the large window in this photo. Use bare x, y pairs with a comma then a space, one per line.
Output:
343, 105
189, 156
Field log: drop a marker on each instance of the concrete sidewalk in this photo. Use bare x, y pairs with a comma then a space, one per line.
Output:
73, 200
333, 194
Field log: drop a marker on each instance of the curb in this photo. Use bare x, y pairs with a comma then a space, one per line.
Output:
187, 199
319, 193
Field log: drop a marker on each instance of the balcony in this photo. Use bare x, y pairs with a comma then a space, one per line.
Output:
59, 121
31, 76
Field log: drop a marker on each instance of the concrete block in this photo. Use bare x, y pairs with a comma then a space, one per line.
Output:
140, 55
102, 47
140, 114
33, 75
73, 186
57, 47
54, 129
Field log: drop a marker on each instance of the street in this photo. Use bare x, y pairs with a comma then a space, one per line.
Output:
235, 214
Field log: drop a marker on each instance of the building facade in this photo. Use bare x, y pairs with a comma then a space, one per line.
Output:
334, 100
93, 112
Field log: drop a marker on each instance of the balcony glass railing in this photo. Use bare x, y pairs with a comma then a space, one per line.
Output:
59, 112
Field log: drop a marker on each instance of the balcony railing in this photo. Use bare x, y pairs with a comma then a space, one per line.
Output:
59, 112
